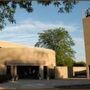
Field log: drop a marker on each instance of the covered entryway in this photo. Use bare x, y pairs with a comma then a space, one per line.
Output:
28, 72
23, 72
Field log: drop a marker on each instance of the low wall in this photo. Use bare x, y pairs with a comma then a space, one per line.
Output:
65, 72
78, 69
61, 72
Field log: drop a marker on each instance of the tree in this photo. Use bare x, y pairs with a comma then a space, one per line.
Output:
59, 40
79, 63
8, 7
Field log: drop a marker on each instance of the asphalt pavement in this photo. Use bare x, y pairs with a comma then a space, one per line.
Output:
45, 84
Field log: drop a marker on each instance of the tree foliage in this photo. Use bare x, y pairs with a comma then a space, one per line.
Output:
79, 63
59, 40
8, 7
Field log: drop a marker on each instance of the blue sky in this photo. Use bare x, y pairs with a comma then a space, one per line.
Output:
26, 30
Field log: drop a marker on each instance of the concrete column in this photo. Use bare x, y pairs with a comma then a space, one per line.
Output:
88, 72
14, 72
41, 72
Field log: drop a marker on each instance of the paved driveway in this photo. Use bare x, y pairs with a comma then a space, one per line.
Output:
27, 84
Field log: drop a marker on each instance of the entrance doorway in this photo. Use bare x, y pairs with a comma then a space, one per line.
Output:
28, 72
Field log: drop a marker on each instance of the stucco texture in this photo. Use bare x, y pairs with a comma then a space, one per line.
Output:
11, 53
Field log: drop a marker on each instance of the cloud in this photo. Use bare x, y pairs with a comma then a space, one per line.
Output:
38, 25
29, 29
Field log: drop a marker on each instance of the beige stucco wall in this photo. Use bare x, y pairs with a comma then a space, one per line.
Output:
11, 53
61, 72
76, 69
86, 26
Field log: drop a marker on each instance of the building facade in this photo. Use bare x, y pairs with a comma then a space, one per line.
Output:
20, 61
86, 26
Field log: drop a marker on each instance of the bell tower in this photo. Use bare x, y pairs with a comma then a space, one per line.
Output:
86, 26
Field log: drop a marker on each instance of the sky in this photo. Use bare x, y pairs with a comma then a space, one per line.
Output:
28, 25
